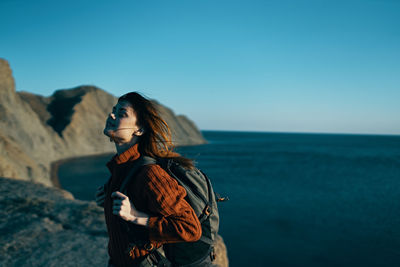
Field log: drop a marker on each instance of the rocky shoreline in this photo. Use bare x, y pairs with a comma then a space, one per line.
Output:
43, 226
40, 223
46, 226
36, 131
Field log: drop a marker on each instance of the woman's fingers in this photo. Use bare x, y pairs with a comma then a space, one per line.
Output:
100, 191
120, 201
137, 253
117, 202
122, 206
117, 194
116, 208
100, 198
117, 211
100, 188
99, 194
100, 201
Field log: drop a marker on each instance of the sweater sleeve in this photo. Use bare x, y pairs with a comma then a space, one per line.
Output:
174, 220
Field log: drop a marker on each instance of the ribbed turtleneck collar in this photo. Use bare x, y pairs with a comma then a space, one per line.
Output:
130, 154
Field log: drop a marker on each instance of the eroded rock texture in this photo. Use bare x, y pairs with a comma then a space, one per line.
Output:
45, 226
36, 130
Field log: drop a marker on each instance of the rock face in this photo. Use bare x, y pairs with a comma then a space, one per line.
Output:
36, 130
43, 226
26, 147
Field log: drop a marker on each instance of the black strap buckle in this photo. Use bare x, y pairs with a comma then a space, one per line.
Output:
157, 259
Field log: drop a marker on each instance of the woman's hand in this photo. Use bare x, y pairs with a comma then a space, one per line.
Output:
100, 196
125, 209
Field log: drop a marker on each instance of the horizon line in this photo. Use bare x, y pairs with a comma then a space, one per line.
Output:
294, 132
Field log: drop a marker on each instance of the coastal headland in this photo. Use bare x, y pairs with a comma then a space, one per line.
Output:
42, 224
36, 130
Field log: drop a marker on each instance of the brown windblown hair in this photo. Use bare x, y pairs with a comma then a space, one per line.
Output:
156, 139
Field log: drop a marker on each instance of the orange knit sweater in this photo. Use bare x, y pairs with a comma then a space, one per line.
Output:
154, 192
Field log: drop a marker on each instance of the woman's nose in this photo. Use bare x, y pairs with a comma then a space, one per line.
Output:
112, 116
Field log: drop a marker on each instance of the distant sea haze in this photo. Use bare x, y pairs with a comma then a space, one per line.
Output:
295, 199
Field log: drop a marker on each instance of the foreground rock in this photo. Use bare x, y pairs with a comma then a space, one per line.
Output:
36, 130
44, 226
41, 227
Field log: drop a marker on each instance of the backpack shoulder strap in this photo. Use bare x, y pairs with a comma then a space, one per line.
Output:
142, 161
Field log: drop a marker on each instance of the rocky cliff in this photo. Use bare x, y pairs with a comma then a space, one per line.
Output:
45, 226
36, 130
41, 225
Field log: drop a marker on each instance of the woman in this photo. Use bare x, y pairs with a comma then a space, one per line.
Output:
153, 211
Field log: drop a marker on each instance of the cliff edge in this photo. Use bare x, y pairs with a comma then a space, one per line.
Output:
45, 226
41, 225
37, 130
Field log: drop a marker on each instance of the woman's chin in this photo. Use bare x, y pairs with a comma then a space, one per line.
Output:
108, 132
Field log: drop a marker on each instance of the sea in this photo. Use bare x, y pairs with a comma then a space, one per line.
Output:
295, 199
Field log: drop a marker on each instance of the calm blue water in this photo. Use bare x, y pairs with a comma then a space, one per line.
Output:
295, 199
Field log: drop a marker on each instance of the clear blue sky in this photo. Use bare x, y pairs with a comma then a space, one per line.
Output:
287, 66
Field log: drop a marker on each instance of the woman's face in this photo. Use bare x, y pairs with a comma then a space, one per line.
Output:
121, 123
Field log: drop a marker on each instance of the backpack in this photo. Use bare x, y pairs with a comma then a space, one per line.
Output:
203, 200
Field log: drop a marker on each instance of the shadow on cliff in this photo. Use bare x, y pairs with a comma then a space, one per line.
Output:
61, 108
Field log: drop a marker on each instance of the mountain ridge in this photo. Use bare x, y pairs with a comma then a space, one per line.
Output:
36, 130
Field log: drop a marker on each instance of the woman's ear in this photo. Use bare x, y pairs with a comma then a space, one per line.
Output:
138, 132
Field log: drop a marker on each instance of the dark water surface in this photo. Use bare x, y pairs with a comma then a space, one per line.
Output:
295, 199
